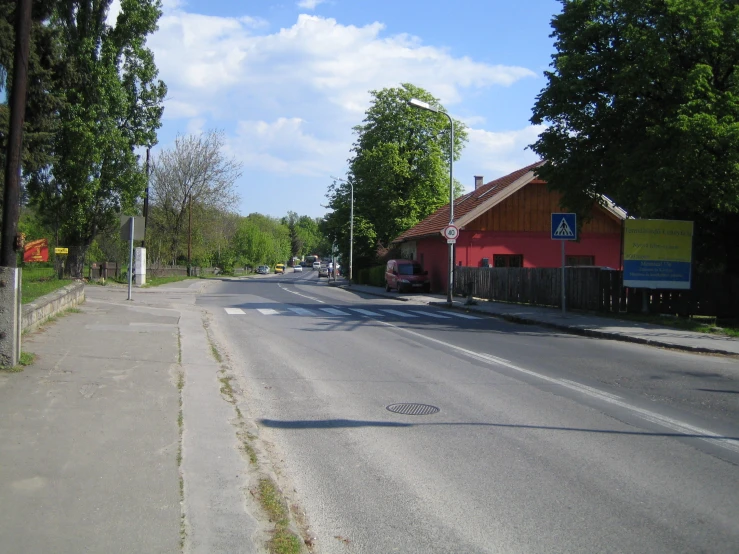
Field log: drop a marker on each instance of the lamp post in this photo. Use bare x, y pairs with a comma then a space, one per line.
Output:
351, 226
426, 106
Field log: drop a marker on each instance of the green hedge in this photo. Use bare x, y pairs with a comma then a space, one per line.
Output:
374, 276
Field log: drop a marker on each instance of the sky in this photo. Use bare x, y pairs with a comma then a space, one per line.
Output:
287, 80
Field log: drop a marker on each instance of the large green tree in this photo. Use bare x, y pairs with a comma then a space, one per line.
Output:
112, 104
642, 105
399, 169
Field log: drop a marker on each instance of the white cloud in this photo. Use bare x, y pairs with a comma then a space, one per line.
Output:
288, 98
283, 147
494, 154
310, 4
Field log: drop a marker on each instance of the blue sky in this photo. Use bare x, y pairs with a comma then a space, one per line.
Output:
287, 80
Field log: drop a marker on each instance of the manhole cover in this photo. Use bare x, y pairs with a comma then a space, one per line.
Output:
413, 409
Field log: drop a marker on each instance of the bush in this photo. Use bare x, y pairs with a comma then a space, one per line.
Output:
374, 276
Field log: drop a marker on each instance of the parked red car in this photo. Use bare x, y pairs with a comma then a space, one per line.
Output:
406, 276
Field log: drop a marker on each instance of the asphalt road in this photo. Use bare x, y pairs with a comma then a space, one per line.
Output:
542, 442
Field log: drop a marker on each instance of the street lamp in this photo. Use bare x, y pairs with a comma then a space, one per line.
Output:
426, 106
351, 227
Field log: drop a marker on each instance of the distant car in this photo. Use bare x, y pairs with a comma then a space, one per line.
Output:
322, 271
263, 269
298, 269
280, 268
316, 265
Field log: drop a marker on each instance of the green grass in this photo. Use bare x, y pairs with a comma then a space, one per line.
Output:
31, 290
156, 281
26, 359
283, 540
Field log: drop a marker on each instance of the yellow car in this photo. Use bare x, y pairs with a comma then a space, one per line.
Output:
280, 268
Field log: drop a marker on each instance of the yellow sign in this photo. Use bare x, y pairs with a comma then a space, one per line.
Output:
61, 250
658, 253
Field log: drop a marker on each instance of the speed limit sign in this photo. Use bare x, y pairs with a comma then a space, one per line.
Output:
451, 232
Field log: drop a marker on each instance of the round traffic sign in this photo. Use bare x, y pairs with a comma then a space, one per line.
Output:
451, 232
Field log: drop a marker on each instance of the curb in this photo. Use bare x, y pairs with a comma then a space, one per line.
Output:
592, 333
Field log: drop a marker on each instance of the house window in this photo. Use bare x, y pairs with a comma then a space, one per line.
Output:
580, 260
508, 260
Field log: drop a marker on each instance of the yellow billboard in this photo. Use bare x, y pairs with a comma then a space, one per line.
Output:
658, 253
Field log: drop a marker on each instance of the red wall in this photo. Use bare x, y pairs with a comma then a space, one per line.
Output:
538, 250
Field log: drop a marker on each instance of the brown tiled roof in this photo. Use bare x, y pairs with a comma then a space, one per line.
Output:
435, 223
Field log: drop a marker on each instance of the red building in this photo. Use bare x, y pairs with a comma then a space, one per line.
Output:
507, 223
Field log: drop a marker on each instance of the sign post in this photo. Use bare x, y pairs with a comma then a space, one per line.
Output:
564, 228
132, 228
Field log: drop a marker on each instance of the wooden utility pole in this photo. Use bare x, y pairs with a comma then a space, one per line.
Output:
17, 103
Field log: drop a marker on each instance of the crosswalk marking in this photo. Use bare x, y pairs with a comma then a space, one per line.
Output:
301, 311
366, 312
431, 314
399, 314
465, 316
369, 313
334, 311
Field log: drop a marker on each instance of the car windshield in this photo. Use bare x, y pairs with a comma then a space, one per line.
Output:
410, 269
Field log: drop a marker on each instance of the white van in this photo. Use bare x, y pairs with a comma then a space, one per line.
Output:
316, 265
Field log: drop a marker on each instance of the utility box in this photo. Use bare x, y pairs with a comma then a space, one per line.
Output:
139, 266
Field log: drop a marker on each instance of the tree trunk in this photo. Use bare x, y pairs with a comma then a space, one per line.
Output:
74, 264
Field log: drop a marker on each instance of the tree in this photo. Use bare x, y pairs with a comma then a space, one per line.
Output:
112, 104
643, 107
44, 99
399, 169
261, 239
196, 170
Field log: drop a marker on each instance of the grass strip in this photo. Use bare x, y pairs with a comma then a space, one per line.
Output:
283, 541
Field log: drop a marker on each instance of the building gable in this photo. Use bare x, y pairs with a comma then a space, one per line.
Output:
529, 209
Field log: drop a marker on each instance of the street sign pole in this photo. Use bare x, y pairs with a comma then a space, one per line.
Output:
564, 228
563, 278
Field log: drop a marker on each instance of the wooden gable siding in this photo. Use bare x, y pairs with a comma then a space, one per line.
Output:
530, 210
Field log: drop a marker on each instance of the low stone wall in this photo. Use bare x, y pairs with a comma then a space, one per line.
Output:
41, 309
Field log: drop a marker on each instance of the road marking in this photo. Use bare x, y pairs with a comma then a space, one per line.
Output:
366, 312
301, 295
464, 316
235, 311
399, 314
300, 311
267, 311
431, 314
653, 417
334, 311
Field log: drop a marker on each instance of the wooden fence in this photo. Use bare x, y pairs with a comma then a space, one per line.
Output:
596, 289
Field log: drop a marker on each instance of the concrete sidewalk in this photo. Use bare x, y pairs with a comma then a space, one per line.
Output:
574, 322
117, 438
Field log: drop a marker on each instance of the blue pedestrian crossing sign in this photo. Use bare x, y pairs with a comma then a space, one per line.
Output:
564, 226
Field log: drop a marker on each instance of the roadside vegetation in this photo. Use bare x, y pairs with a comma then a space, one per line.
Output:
264, 489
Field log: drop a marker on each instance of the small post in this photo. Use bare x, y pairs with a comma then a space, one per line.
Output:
130, 258
564, 309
